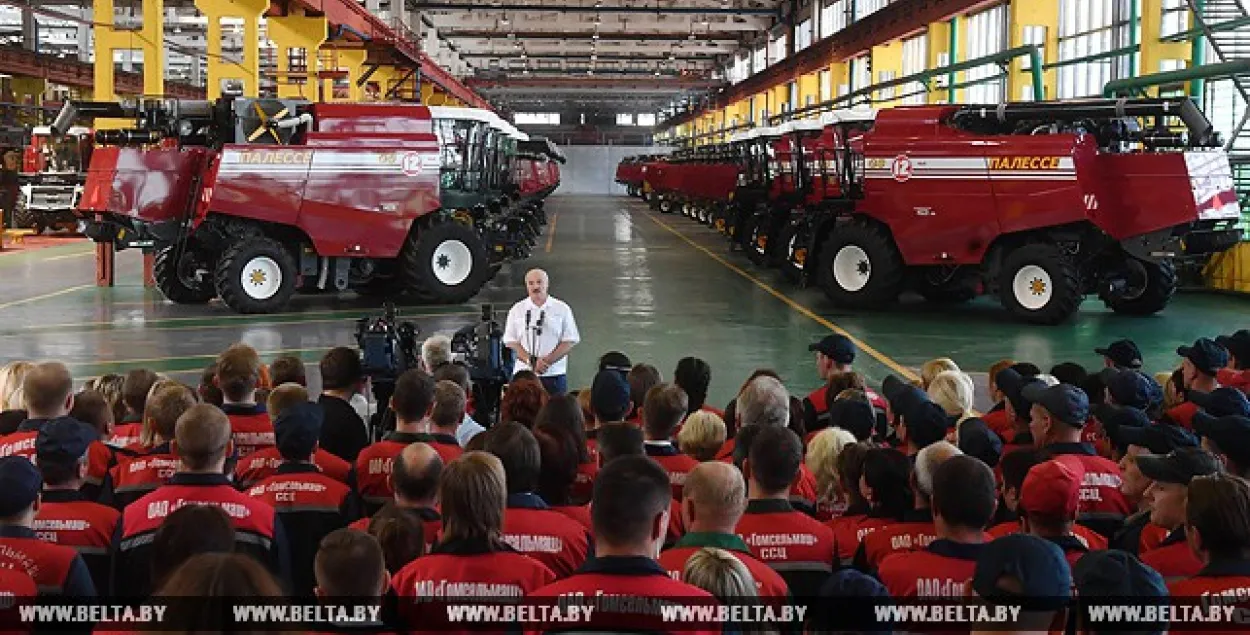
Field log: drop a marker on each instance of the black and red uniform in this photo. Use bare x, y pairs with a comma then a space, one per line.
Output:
1139, 535
67, 518
257, 530
250, 427
1173, 558
914, 533
135, 476
262, 464
580, 513
816, 407
310, 505
1074, 547
849, 530
544, 534
463, 570
584, 481
431, 524
56, 569
1092, 540
676, 464
100, 457
373, 464
1219, 583
794, 544
127, 432
1103, 507
768, 582
604, 581
939, 570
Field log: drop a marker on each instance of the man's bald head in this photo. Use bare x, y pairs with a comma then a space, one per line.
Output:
48, 391
415, 474
718, 495
536, 285
201, 437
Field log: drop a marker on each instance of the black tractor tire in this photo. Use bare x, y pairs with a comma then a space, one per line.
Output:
174, 269
792, 244
869, 268
1161, 282
1039, 284
444, 262
757, 232
23, 218
665, 205
261, 260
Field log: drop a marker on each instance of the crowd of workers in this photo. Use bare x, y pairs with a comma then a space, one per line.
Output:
1090, 482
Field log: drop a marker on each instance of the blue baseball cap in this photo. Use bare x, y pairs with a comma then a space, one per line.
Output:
1159, 438
1012, 383
1115, 573
1231, 435
63, 440
1205, 355
1123, 353
20, 483
837, 347
297, 430
1221, 402
853, 415
977, 440
1132, 388
1037, 565
1064, 402
609, 395
903, 396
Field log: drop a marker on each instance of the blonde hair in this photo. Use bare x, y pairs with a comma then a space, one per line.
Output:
1171, 396
954, 392
720, 573
822, 459
111, 387
12, 376
702, 435
283, 397
933, 368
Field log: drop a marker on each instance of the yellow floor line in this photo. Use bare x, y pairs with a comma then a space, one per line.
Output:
551, 235
45, 296
877, 355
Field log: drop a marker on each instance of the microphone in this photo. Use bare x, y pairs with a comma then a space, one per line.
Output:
527, 318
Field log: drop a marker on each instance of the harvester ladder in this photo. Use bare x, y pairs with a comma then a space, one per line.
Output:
1226, 25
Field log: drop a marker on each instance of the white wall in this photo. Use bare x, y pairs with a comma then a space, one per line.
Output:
592, 169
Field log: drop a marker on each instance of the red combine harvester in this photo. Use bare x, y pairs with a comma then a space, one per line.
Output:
253, 200
51, 178
629, 173
1039, 203
659, 184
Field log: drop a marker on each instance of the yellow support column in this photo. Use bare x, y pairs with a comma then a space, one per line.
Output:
886, 58
290, 34
1153, 51
353, 61
28, 89
220, 69
838, 76
1029, 16
809, 89
150, 39
939, 45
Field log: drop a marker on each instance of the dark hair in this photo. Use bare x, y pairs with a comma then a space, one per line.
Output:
663, 410
341, 369
413, 396
350, 563
888, 474
563, 413
1026, 369
517, 450
412, 484
288, 369
400, 533
190, 530
1219, 509
1015, 465
526, 375
1094, 387
849, 380
795, 423
774, 458
221, 575
238, 371
616, 440
135, 389
850, 467
455, 372
450, 402
1178, 382
522, 401
629, 492
641, 378
1070, 373
208, 391
58, 472
964, 492
742, 442
558, 466
694, 376
93, 409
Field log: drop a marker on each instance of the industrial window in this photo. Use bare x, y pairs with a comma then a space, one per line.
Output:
538, 118
987, 35
826, 85
778, 52
803, 35
624, 119
915, 60
759, 59
832, 18
1092, 31
868, 7
646, 119
793, 90
861, 75
1175, 17
741, 68
887, 93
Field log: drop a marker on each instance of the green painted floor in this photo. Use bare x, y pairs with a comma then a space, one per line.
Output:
657, 287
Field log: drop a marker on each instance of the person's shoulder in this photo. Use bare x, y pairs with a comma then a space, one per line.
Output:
558, 304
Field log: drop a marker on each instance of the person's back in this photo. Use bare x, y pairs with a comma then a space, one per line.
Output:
631, 501
264, 463
136, 475
56, 569
342, 376
202, 437
663, 410
412, 402
1218, 520
238, 374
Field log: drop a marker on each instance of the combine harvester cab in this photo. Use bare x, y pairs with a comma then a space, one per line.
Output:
751, 192
50, 182
629, 174
255, 199
1038, 203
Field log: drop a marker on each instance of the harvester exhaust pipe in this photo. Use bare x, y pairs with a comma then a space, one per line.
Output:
1200, 128
72, 111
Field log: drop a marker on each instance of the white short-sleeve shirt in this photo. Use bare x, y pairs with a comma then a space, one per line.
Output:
557, 326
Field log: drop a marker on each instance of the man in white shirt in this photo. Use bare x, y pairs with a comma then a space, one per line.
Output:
541, 331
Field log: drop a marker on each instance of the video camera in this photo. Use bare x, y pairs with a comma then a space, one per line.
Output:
388, 348
480, 348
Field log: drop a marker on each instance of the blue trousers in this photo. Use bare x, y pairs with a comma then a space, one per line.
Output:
555, 384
